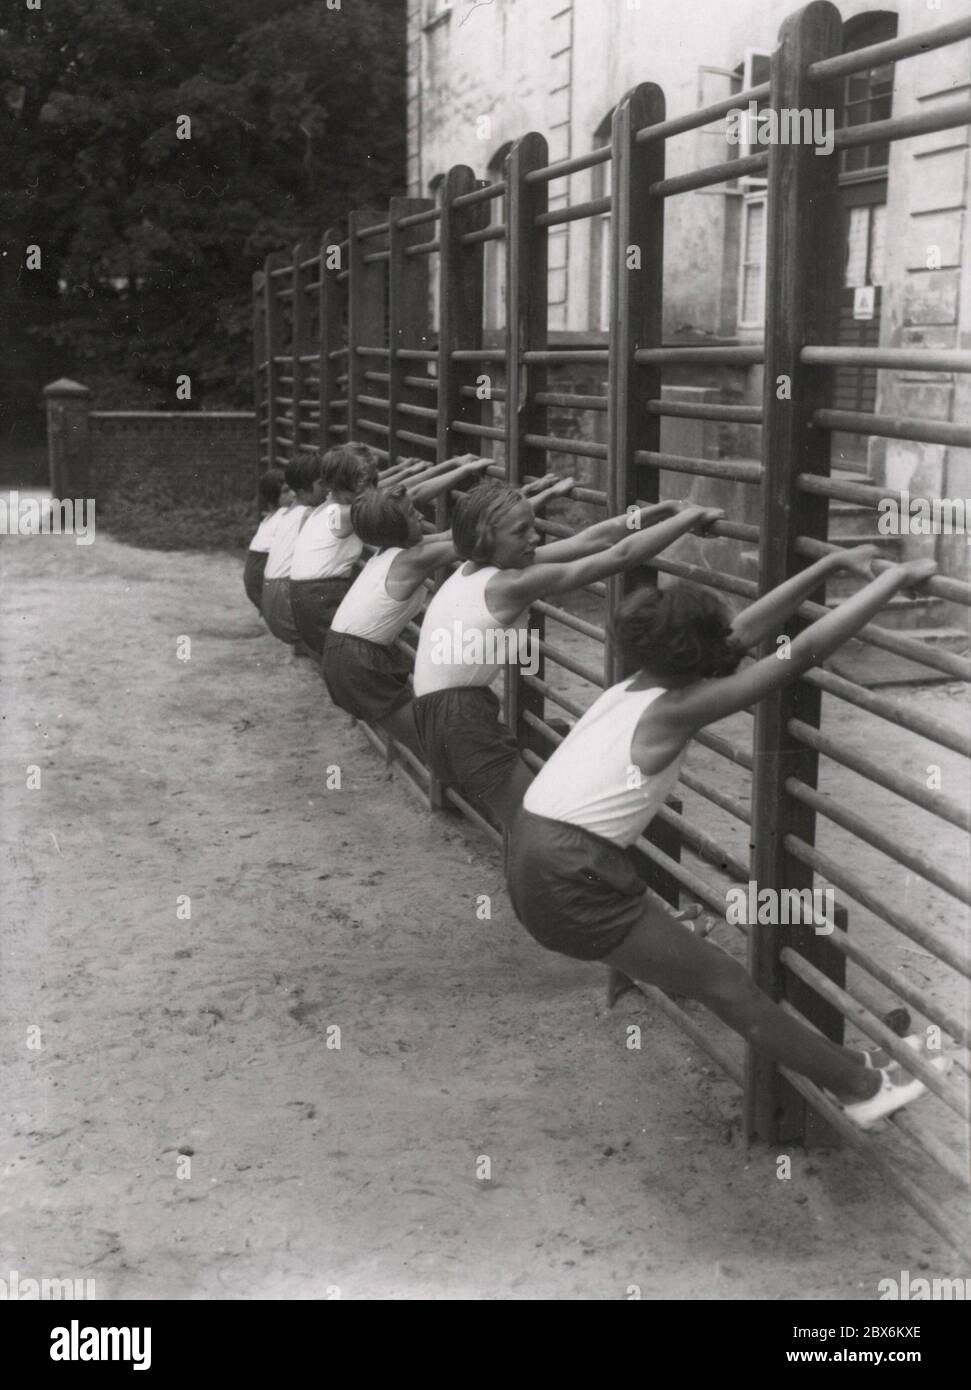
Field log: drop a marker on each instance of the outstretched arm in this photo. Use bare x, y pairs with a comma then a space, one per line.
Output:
601, 534
713, 700
420, 470
509, 592
543, 490
767, 616
442, 477
404, 468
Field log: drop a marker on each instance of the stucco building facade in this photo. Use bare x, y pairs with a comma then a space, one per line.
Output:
482, 74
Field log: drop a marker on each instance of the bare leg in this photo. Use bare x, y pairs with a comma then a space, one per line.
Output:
401, 725
662, 953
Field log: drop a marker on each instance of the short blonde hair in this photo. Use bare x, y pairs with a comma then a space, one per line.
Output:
476, 516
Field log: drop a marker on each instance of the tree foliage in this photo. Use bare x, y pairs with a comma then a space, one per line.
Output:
148, 242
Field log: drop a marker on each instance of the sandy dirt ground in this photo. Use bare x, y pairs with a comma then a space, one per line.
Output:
134, 1040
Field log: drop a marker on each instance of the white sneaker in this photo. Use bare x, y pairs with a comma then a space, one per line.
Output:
892, 1095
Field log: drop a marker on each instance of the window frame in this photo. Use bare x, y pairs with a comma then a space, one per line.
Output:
755, 197
863, 31
745, 148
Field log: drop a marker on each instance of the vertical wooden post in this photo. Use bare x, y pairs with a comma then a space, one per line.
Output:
298, 347
272, 324
366, 319
459, 328
459, 311
527, 313
636, 291
408, 314
331, 327
334, 334
259, 371
636, 276
801, 307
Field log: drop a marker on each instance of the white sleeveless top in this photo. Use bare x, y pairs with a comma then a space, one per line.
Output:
591, 780
320, 553
369, 611
283, 540
265, 531
462, 643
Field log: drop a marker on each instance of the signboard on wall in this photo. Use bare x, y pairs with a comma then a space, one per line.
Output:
864, 299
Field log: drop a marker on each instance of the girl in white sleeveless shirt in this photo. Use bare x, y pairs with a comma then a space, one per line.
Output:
365, 671
275, 498
475, 626
571, 882
302, 475
327, 550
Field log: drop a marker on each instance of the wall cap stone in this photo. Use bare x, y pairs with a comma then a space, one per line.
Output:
203, 416
65, 387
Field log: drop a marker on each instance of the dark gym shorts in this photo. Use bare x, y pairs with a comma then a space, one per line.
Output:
465, 742
575, 892
253, 575
314, 603
367, 679
276, 610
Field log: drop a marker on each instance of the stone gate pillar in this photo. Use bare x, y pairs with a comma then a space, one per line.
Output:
67, 438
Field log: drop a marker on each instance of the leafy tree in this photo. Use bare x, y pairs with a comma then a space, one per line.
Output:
148, 242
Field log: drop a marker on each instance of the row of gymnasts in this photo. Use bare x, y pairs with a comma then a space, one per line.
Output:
568, 828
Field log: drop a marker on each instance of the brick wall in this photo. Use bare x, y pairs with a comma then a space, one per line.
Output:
201, 458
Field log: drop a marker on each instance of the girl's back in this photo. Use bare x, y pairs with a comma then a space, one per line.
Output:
592, 780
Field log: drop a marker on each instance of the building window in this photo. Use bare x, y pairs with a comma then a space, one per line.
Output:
751, 279
494, 252
755, 70
751, 289
868, 95
600, 187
